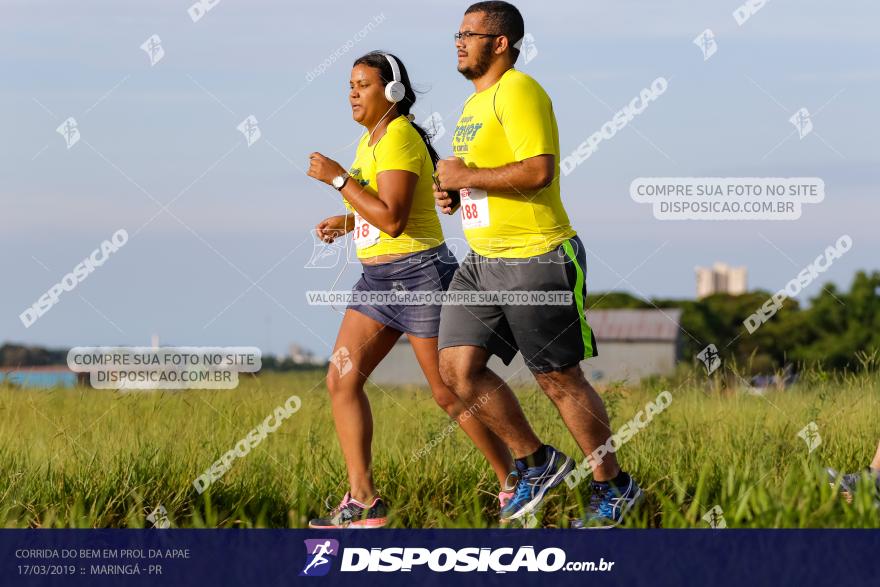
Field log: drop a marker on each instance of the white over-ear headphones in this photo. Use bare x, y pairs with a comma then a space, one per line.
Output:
394, 90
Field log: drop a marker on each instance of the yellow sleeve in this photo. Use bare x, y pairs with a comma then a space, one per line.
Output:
526, 114
400, 150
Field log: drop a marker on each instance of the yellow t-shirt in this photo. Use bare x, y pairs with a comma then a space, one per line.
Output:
510, 121
401, 148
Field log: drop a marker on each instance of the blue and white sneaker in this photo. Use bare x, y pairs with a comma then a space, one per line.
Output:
534, 483
609, 504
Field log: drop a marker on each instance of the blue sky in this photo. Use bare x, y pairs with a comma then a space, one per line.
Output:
224, 265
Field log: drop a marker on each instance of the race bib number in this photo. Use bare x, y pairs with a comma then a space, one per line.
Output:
474, 208
365, 234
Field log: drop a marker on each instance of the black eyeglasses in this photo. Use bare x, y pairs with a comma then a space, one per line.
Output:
468, 35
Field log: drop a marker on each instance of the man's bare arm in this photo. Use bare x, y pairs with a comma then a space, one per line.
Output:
527, 175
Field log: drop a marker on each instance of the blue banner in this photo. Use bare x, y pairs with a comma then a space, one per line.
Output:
439, 557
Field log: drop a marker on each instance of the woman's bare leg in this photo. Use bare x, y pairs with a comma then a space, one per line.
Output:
360, 345
875, 464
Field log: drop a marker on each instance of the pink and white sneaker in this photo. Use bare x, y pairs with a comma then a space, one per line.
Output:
351, 513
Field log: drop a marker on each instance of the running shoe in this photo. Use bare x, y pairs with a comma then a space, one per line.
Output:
351, 513
609, 504
534, 483
849, 482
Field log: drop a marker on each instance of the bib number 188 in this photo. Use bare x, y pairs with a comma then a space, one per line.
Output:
474, 208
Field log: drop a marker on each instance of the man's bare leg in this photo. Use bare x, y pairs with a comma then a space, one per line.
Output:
488, 443
584, 414
464, 370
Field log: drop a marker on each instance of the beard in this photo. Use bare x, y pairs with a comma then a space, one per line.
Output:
484, 60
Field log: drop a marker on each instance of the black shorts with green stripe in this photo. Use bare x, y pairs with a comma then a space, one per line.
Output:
550, 336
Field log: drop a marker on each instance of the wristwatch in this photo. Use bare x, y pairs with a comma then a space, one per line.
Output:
339, 181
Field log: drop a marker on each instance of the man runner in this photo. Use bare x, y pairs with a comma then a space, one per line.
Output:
507, 168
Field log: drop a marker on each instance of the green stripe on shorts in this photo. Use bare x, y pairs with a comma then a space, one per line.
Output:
586, 331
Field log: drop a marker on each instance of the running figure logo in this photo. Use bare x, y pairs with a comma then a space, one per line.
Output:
527, 47
706, 42
802, 122
153, 48
715, 518
249, 127
710, 358
70, 131
810, 435
434, 124
317, 551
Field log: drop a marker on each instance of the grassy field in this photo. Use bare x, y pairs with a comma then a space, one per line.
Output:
87, 458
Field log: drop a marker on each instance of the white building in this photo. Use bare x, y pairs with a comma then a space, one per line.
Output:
302, 356
721, 278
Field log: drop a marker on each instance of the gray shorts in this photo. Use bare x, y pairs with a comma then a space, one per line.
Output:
430, 270
550, 337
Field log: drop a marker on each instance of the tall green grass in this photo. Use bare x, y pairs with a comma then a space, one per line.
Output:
87, 458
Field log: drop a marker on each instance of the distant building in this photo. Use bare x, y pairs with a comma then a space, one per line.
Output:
721, 278
302, 356
633, 344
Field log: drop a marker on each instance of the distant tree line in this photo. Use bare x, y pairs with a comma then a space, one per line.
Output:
17, 355
837, 330
273, 363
